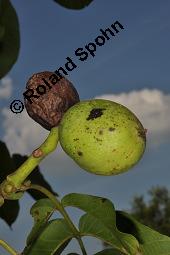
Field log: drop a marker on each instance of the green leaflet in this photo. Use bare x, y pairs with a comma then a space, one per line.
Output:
151, 242
54, 236
74, 4
41, 211
9, 37
100, 221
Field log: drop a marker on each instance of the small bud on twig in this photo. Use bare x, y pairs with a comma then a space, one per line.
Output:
37, 153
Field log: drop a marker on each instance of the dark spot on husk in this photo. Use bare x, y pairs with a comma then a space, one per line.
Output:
98, 140
36, 212
95, 113
87, 128
100, 132
103, 200
80, 153
111, 129
76, 139
142, 133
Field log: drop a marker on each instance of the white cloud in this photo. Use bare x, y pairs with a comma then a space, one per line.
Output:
151, 107
5, 88
21, 133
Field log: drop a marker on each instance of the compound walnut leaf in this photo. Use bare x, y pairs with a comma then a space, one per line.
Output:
91, 226
9, 37
55, 235
74, 4
7, 165
41, 211
150, 241
100, 221
10, 209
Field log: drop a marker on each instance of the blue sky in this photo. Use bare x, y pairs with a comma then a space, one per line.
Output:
131, 68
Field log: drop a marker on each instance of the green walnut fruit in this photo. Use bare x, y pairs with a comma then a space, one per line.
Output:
103, 137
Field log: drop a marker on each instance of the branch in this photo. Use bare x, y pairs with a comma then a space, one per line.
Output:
13, 182
8, 248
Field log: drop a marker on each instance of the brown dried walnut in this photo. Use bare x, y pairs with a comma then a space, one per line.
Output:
52, 97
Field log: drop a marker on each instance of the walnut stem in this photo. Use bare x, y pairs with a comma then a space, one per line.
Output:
14, 181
